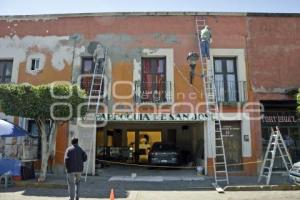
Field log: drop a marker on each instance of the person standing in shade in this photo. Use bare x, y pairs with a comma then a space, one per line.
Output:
205, 40
74, 159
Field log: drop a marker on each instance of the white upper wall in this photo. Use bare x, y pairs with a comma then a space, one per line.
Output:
23, 49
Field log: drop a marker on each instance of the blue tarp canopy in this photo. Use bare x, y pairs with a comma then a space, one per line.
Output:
8, 129
11, 166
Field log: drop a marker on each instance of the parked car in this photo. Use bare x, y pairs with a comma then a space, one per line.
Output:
163, 154
295, 173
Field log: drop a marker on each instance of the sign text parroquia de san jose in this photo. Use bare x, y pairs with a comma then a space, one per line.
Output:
152, 117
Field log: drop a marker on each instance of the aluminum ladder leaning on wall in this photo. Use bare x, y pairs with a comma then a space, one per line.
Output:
219, 158
96, 86
275, 142
96, 92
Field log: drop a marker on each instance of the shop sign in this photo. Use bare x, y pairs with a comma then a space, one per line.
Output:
151, 117
279, 119
228, 130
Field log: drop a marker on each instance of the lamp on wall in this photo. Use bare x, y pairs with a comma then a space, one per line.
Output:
192, 58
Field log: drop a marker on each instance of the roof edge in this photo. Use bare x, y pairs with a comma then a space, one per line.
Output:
52, 16
120, 14
254, 14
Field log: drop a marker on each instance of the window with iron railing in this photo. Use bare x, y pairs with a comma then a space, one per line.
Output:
231, 91
87, 69
5, 71
228, 88
153, 86
160, 93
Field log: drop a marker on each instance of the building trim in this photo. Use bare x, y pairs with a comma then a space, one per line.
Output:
152, 53
245, 130
56, 16
239, 54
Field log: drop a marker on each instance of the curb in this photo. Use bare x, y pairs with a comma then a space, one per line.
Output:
262, 187
30, 184
26, 184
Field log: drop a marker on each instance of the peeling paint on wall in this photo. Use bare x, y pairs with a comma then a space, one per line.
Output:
59, 47
120, 45
62, 55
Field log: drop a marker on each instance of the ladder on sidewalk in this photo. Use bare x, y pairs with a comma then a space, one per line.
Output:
275, 142
219, 158
96, 94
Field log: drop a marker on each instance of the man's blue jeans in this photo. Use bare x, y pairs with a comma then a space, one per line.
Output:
73, 185
205, 48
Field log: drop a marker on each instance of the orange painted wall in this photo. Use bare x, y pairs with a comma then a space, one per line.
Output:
271, 43
177, 32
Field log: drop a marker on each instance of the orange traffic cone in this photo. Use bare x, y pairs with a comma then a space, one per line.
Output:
112, 195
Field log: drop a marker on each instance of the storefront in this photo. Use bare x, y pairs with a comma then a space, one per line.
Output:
129, 137
282, 114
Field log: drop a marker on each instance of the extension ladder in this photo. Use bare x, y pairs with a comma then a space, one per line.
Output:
96, 92
97, 89
275, 142
219, 158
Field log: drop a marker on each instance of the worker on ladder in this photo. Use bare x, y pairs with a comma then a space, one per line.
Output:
205, 39
99, 57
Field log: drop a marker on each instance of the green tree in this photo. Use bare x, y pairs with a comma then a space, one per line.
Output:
37, 102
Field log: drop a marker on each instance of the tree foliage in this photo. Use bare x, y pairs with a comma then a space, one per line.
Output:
35, 101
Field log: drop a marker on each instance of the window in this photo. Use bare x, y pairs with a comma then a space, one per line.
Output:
289, 126
153, 85
33, 142
5, 71
87, 65
87, 68
226, 79
35, 64
33, 129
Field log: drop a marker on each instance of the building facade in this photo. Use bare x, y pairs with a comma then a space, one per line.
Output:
147, 93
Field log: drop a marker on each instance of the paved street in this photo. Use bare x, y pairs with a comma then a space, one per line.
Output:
59, 194
157, 184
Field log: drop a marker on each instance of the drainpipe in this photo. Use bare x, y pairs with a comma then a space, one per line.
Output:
75, 37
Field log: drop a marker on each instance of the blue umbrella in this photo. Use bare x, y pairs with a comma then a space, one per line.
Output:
8, 129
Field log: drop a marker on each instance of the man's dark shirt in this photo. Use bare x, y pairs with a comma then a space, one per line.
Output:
74, 159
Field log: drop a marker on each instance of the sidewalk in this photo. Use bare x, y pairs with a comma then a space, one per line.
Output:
150, 180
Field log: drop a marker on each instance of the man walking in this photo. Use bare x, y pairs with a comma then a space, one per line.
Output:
74, 159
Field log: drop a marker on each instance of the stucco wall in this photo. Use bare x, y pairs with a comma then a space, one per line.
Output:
127, 37
273, 46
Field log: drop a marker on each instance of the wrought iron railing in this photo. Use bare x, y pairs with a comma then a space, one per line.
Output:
152, 92
86, 83
231, 91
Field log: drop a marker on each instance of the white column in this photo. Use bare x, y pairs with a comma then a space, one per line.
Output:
87, 141
209, 140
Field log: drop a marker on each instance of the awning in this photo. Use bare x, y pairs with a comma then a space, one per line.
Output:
8, 129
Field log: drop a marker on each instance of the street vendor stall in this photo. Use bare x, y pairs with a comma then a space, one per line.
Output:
11, 152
